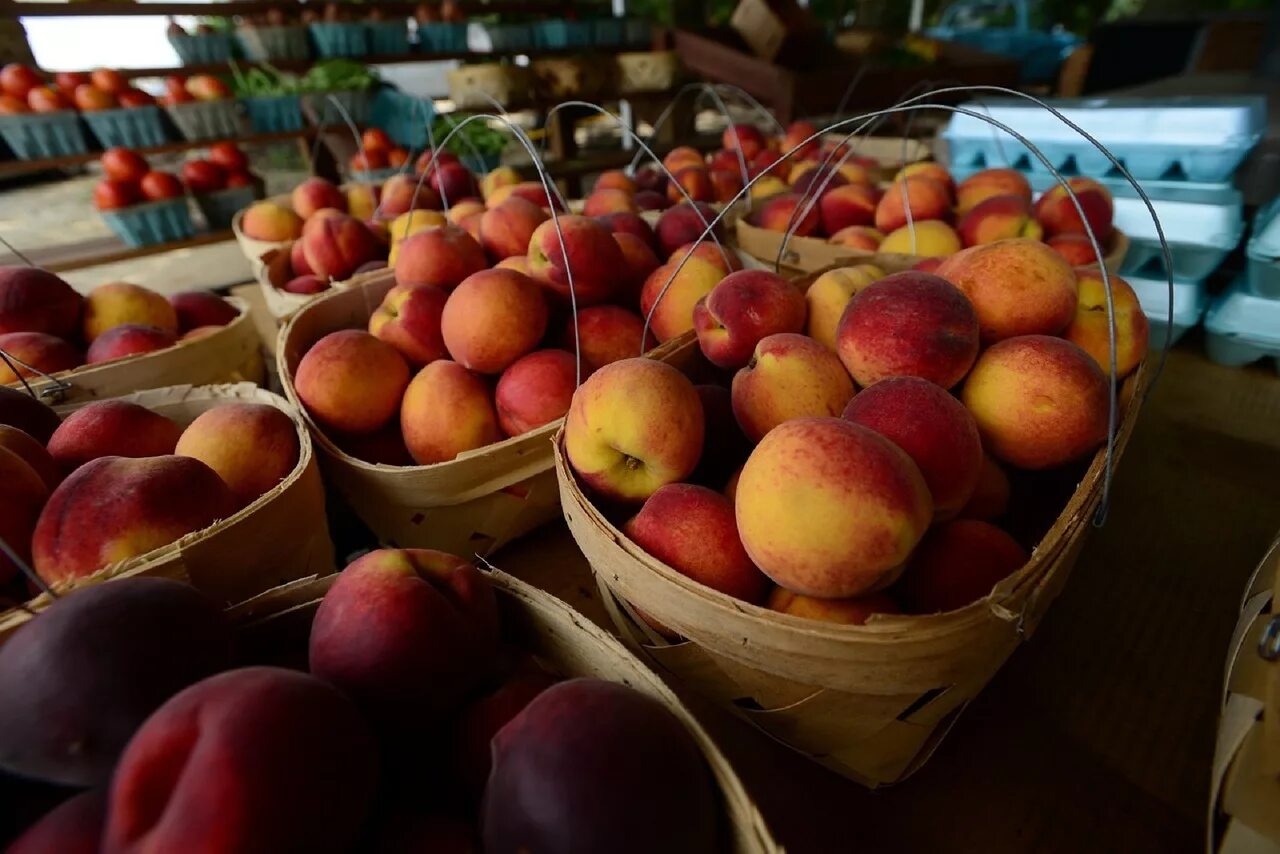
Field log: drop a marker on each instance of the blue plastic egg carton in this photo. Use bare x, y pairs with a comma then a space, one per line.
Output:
1190, 299
133, 127
442, 38
558, 34
1180, 138
1263, 251
152, 222
1243, 327
274, 113
1202, 223
402, 116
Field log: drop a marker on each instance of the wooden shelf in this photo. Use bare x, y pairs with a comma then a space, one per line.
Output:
94, 8
18, 167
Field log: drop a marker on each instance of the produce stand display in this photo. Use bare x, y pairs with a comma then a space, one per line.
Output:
778, 484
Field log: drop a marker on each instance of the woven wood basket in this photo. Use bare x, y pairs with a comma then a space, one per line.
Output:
870, 702
281, 536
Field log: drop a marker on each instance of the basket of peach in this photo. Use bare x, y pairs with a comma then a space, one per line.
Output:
840, 509
433, 387
119, 338
216, 485
830, 211
409, 703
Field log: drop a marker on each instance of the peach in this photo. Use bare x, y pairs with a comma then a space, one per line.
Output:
745, 138
503, 176
23, 497
789, 376
988, 183
933, 428
531, 191
131, 339
651, 200
827, 297
721, 256
31, 452
409, 320
845, 206
35, 300
669, 296
692, 530
931, 238
447, 411
800, 139
1075, 248
854, 173
114, 508
1058, 215
111, 428
861, 237
725, 186
1090, 329
721, 458
830, 509
684, 224
118, 303
638, 263
1039, 401
271, 222
459, 211
384, 445
471, 225
315, 194
519, 263
493, 318
351, 382
535, 390
408, 224
681, 157
930, 169
362, 200
607, 334
402, 193
305, 285
298, 260
692, 183
28, 414
479, 722
991, 496
615, 179
335, 246
924, 197
259, 757
44, 353
741, 310
582, 248
606, 201
1017, 287
634, 426
439, 257
251, 446
998, 218
956, 564
453, 182
201, 308
786, 212
768, 187
628, 222
853, 611
927, 265
505, 230
408, 634
816, 183
908, 325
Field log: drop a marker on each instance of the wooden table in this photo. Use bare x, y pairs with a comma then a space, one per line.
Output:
1098, 734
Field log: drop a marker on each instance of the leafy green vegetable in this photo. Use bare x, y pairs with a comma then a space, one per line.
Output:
482, 137
330, 75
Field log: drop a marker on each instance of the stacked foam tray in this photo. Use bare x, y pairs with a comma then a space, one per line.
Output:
1184, 153
1243, 324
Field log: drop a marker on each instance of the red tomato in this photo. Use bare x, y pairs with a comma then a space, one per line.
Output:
10, 105
201, 176
228, 156
241, 179
376, 139
135, 98
160, 185
124, 164
109, 195
17, 80
108, 80
42, 99
67, 81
